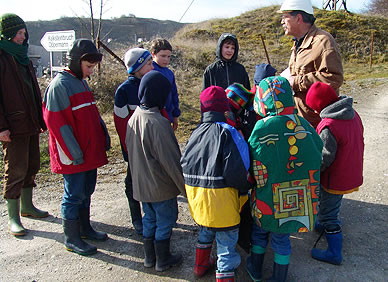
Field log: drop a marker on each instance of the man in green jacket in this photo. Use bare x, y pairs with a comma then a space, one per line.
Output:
21, 122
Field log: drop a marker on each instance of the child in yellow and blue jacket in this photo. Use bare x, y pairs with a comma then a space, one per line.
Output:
215, 167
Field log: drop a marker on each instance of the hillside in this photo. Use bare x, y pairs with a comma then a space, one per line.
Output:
121, 30
194, 49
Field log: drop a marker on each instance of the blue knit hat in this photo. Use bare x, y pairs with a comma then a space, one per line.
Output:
136, 58
153, 90
262, 71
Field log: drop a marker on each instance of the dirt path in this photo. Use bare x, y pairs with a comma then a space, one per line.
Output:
40, 256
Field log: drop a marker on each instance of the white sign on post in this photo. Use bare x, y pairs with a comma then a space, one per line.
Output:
56, 41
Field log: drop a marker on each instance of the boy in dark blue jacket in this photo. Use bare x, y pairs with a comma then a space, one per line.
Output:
138, 62
161, 53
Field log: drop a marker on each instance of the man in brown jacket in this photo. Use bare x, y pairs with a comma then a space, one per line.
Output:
21, 121
314, 57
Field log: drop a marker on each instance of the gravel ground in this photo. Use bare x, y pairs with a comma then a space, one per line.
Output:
40, 255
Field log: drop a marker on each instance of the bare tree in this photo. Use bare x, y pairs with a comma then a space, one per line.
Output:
94, 34
378, 7
92, 20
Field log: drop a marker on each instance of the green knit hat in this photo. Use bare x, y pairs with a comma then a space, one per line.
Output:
10, 24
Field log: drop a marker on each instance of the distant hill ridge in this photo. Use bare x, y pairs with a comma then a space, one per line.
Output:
121, 30
353, 33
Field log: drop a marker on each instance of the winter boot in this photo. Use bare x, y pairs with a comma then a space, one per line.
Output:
86, 230
203, 259
279, 273
27, 208
73, 241
134, 208
164, 259
254, 265
280, 268
333, 254
14, 225
149, 252
225, 276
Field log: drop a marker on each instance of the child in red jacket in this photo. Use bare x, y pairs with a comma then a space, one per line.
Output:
341, 131
78, 141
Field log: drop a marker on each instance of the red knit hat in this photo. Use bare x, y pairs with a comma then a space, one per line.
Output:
214, 99
320, 95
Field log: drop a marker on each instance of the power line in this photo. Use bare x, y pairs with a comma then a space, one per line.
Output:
186, 11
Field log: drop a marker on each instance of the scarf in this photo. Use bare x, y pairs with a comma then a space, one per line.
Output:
19, 52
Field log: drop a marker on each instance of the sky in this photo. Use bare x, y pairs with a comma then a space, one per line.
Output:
200, 10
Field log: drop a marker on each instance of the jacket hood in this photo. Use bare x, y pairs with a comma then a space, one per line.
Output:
81, 48
153, 90
342, 109
274, 97
221, 40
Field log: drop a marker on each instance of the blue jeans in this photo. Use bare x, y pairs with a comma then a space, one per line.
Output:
159, 219
280, 243
329, 207
228, 258
79, 187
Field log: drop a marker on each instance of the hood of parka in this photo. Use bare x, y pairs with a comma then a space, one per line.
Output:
221, 40
81, 48
274, 97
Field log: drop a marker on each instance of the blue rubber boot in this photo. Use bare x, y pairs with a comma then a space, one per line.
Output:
333, 254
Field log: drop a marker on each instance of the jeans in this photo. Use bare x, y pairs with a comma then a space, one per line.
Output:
159, 219
79, 187
329, 207
228, 258
280, 243
134, 206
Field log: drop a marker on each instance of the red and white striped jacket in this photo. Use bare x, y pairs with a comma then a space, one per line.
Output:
77, 133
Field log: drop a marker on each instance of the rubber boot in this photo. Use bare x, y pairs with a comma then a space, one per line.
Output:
134, 206
149, 252
14, 225
333, 254
279, 273
27, 208
73, 241
86, 230
203, 259
254, 266
225, 276
164, 259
